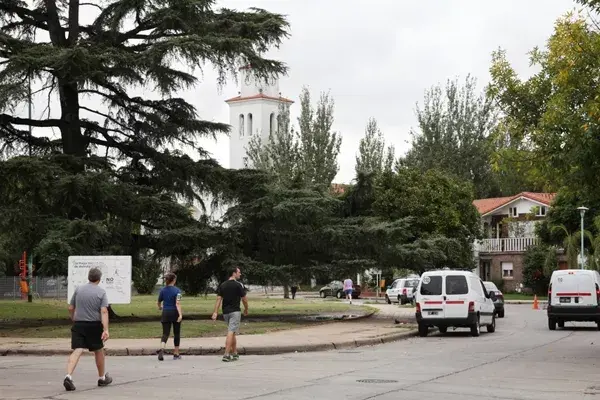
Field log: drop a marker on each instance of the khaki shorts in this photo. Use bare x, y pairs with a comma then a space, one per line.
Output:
233, 321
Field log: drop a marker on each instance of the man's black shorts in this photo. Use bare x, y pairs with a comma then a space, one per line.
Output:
87, 335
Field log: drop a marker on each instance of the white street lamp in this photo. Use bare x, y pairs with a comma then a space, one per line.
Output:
582, 211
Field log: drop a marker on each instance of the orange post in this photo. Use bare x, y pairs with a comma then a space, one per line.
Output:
536, 306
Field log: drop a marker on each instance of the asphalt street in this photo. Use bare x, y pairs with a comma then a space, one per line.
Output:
521, 360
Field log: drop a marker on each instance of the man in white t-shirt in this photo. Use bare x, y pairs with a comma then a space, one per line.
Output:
348, 289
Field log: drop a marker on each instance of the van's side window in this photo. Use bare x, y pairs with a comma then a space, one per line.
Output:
456, 284
431, 286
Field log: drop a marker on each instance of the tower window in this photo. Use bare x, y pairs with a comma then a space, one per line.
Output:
250, 130
272, 123
241, 124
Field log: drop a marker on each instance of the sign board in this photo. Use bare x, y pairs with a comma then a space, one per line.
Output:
116, 276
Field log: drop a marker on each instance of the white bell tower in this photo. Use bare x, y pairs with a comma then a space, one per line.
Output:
253, 112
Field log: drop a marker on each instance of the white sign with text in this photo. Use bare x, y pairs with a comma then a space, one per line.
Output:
116, 276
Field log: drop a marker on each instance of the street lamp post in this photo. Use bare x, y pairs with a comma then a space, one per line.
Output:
582, 211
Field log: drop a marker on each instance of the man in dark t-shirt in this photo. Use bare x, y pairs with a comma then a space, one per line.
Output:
229, 294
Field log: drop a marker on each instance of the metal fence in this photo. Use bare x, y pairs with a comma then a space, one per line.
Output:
42, 287
56, 288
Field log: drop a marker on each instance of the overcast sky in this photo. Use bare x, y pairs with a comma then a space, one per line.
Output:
377, 57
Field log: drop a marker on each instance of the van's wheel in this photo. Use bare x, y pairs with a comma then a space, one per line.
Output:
423, 330
388, 299
475, 328
552, 324
492, 327
501, 314
443, 329
322, 294
561, 324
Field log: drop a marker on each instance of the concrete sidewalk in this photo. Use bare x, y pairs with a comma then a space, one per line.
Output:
337, 335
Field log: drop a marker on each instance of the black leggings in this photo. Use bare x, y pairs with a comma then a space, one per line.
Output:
168, 319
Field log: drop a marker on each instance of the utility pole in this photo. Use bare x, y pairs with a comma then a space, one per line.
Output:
582, 211
30, 112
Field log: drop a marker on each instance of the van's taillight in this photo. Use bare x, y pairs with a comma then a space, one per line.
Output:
471, 306
550, 291
597, 295
418, 307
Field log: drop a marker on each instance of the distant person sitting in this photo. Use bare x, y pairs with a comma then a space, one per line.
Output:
348, 289
169, 301
89, 311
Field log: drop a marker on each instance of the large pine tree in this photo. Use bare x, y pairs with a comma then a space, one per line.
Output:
114, 176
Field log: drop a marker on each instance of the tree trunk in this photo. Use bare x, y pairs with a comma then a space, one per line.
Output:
112, 315
286, 291
73, 142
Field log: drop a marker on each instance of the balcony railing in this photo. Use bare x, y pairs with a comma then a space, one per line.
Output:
505, 245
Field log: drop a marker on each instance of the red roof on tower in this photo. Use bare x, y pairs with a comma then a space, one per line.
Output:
259, 96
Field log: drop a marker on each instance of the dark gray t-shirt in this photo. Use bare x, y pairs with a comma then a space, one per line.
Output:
88, 300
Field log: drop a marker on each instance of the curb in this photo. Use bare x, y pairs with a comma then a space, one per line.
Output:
245, 350
524, 302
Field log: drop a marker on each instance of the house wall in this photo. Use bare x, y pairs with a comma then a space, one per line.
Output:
523, 206
510, 284
524, 227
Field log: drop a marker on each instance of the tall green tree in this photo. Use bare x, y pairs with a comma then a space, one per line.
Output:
553, 115
319, 145
444, 223
454, 134
308, 153
279, 155
113, 179
372, 156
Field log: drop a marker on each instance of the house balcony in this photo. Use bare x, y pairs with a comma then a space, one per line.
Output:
505, 245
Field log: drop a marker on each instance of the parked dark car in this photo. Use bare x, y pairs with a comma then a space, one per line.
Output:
499, 301
336, 288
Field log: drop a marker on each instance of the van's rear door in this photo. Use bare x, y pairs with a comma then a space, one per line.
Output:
457, 291
431, 297
573, 288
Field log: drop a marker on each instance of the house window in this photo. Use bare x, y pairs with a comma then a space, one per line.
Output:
541, 211
513, 212
272, 123
507, 270
241, 123
250, 124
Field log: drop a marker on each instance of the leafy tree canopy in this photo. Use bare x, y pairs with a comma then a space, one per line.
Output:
454, 134
110, 180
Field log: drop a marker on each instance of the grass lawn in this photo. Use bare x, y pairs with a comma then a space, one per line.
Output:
521, 296
142, 330
145, 306
22, 319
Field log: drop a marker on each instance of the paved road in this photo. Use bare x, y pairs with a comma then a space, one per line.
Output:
522, 360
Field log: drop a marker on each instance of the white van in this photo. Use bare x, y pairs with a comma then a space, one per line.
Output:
458, 299
573, 295
401, 290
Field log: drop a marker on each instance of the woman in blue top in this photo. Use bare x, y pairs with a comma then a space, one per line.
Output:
169, 301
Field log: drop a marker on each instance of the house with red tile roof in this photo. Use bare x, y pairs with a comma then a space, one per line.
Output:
508, 225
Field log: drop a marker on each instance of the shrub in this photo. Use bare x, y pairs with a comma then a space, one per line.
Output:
536, 275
